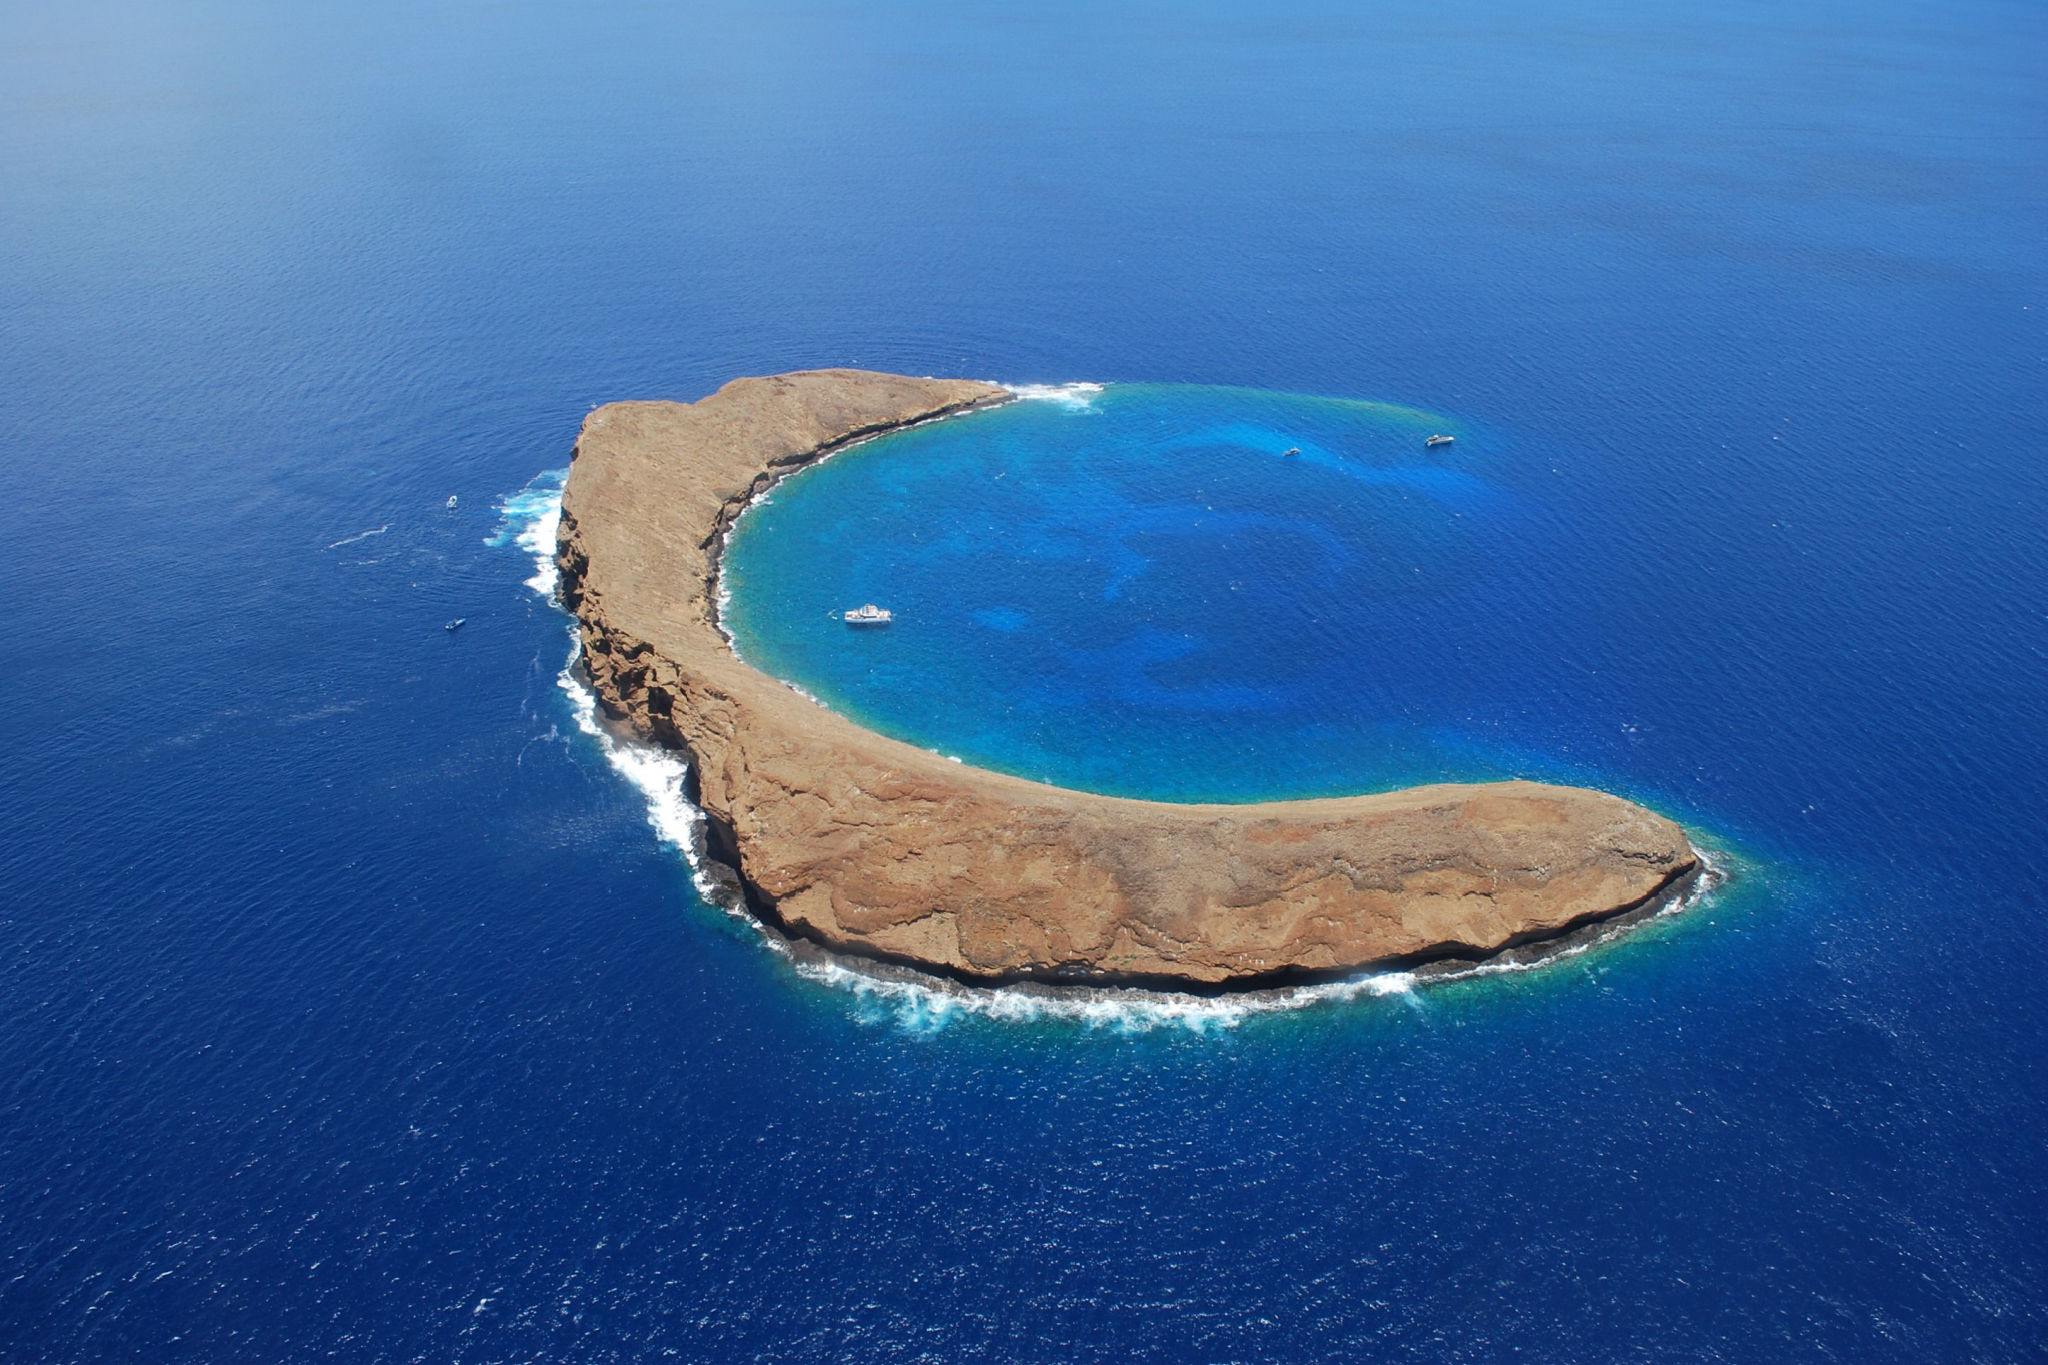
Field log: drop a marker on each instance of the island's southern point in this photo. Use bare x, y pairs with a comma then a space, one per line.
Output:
878, 848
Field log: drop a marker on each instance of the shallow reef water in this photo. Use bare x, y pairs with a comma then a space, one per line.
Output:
1165, 591
361, 1002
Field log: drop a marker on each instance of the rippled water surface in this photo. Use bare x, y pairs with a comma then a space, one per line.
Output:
1153, 590
357, 1001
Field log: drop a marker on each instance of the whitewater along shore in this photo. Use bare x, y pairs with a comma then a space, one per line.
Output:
884, 850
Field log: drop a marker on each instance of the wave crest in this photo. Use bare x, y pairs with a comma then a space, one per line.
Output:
530, 519
1078, 397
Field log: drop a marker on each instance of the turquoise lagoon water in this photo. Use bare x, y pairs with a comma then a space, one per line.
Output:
358, 1004
1173, 591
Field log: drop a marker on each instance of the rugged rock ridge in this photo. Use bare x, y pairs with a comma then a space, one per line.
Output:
883, 849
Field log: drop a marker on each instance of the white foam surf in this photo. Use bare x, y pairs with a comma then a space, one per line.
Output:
662, 780
915, 1004
1078, 397
529, 519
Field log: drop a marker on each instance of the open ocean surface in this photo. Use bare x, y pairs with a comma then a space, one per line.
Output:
356, 1001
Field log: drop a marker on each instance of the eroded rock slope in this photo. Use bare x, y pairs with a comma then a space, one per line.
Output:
880, 848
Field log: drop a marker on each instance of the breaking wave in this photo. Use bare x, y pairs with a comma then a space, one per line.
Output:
529, 519
1079, 397
662, 780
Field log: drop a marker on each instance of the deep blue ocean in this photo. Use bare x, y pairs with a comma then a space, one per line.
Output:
356, 1003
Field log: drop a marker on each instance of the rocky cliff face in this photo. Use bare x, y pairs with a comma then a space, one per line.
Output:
879, 848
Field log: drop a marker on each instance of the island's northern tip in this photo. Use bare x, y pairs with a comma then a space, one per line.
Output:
875, 847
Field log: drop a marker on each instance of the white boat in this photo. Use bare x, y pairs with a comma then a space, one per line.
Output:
869, 615
1435, 441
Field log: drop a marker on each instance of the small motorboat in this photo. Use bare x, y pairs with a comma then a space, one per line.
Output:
451, 499
1434, 441
869, 615
456, 624
1292, 450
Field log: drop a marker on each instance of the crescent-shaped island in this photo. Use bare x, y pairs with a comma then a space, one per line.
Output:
879, 849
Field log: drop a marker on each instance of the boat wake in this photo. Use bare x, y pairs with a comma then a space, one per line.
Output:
361, 535
917, 1002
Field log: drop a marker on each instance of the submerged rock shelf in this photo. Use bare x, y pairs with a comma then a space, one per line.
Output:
878, 848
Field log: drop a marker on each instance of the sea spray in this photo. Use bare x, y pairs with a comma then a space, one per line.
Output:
530, 519
662, 779
920, 1004
1079, 397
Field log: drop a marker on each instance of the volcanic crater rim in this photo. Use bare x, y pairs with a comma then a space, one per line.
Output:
884, 851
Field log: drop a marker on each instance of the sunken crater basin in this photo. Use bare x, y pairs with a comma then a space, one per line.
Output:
881, 849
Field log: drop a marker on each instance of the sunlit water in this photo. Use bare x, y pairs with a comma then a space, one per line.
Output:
920, 1003
1157, 590
356, 1007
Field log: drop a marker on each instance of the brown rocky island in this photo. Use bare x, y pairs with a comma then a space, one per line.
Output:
883, 850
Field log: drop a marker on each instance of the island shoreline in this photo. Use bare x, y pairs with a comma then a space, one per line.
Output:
771, 478
813, 802
715, 861
1533, 950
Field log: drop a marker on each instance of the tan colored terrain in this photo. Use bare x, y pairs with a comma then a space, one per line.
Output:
879, 848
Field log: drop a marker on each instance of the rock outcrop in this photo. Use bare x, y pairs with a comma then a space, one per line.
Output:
882, 849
